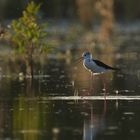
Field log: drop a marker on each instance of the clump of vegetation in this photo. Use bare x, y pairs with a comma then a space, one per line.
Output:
28, 35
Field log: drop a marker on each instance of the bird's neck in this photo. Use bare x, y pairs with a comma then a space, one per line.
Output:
87, 59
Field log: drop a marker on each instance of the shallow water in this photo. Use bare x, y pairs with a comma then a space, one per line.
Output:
40, 119
59, 105
62, 103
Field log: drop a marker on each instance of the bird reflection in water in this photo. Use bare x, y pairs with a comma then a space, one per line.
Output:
94, 125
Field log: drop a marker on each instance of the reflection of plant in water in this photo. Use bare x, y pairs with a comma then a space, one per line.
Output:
31, 118
28, 35
26, 118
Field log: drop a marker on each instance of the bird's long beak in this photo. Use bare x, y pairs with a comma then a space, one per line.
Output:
78, 60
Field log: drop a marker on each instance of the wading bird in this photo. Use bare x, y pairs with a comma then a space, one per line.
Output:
96, 67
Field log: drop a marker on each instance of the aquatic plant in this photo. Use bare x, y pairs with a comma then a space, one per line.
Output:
28, 35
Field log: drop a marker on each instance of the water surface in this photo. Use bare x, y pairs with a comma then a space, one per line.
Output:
62, 103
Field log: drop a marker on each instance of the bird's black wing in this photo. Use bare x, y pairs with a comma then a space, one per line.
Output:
101, 64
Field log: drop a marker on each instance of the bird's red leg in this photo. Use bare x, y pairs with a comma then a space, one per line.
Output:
105, 91
104, 85
91, 83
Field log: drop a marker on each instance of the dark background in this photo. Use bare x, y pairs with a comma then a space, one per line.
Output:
123, 9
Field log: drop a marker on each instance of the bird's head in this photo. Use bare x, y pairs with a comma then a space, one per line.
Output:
86, 55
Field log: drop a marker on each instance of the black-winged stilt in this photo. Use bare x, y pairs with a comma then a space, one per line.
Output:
95, 66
